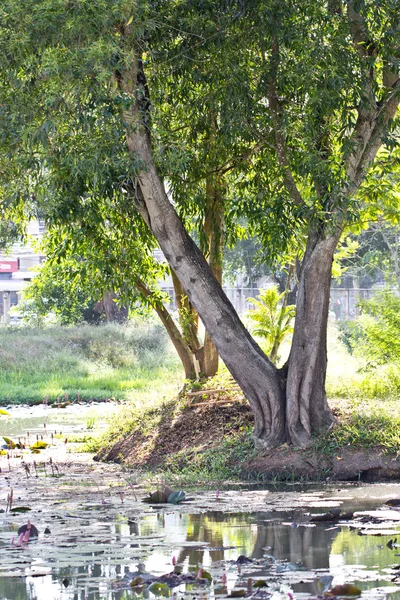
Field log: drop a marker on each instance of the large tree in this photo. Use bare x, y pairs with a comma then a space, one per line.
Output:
320, 85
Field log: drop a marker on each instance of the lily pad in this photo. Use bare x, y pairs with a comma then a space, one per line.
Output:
165, 496
29, 527
39, 445
176, 497
20, 509
9, 442
347, 589
159, 589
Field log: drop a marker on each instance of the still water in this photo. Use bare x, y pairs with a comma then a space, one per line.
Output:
94, 531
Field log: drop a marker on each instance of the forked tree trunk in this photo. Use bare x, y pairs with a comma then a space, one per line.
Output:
253, 371
260, 380
307, 409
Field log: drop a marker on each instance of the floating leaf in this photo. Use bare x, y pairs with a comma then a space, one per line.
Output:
205, 575
20, 509
9, 442
159, 589
347, 589
393, 502
39, 445
238, 593
176, 497
33, 532
162, 496
4, 412
158, 497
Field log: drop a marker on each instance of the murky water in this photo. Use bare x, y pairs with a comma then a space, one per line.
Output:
98, 531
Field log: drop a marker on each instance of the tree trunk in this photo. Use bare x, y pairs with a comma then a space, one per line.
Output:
277, 418
179, 342
253, 371
188, 317
307, 409
109, 307
214, 230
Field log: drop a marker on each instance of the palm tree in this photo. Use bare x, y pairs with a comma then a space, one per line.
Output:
273, 318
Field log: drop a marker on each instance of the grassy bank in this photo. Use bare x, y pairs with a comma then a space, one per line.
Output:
125, 362
365, 403
194, 439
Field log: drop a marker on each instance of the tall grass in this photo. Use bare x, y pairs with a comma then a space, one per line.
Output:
85, 361
350, 377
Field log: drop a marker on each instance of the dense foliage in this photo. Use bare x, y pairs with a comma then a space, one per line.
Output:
374, 336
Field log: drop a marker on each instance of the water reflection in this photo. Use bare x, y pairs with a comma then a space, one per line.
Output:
206, 539
210, 539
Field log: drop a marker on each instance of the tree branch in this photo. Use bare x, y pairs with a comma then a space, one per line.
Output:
363, 43
373, 117
280, 144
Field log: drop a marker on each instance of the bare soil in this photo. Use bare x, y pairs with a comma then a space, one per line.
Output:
206, 422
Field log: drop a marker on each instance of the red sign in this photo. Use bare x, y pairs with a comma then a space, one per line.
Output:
8, 266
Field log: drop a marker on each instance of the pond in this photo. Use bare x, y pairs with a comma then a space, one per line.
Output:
96, 535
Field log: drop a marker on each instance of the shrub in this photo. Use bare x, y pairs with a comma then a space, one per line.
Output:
273, 318
375, 335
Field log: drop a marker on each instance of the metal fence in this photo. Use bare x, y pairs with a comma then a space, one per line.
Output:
238, 296
343, 301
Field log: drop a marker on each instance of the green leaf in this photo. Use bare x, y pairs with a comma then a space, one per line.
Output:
39, 445
176, 497
159, 589
9, 442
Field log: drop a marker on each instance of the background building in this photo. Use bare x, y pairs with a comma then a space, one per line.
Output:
17, 267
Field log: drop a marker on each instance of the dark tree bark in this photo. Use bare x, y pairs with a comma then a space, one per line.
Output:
307, 409
111, 310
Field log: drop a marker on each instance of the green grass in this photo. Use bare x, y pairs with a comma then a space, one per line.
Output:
86, 362
364, 424
222, 462
366, 400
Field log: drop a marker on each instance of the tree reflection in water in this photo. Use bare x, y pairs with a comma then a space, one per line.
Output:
254, 536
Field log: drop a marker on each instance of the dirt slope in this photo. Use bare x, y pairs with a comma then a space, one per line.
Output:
184, 431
